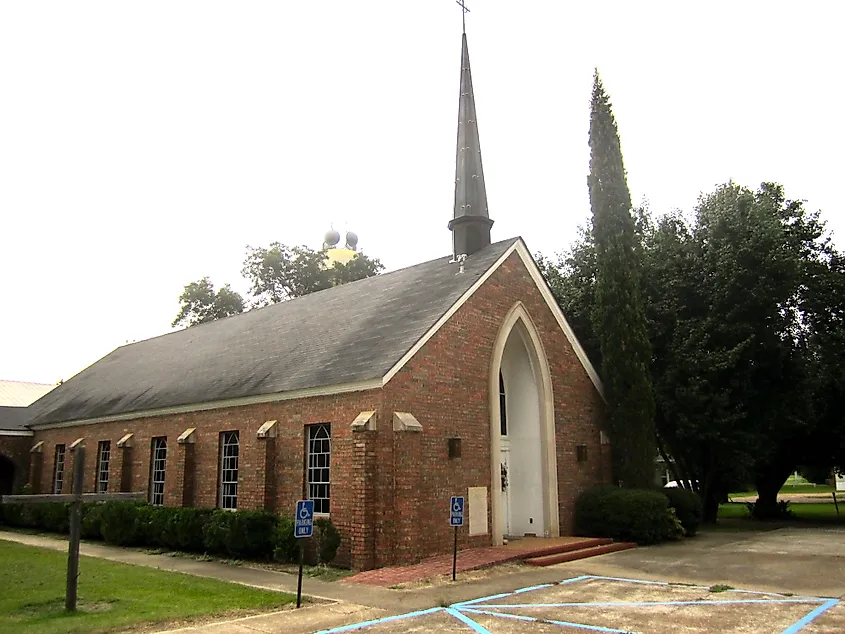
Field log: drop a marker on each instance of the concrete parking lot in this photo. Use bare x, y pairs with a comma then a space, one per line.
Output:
768, 582
617, 605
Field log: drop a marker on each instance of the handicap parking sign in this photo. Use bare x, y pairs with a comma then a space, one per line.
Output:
456, 511
304, 522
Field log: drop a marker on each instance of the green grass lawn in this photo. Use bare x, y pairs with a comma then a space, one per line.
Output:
111, 595
825, 513
795, 489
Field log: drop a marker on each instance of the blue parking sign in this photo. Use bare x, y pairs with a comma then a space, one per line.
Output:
304, 522
456, 511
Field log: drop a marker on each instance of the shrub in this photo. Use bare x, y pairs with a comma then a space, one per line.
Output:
631, 515
184, 528
12, 514
242, 534
92, 517
328, 540
676, 529
779, 511
120, 525
152, 522
687, 507
286, 548
54, 517
216, 531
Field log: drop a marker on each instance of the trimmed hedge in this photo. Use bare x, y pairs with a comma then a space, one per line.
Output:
328, 540
239, 534
287, 547
688, 508
242, 534
629, 515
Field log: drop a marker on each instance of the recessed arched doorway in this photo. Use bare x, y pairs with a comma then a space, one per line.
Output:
524, 496
7, 475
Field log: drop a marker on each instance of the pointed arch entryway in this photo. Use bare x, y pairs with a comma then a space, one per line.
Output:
523, 457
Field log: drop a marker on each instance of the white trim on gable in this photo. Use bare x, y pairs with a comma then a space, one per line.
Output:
448, 314
545, 291
537, 277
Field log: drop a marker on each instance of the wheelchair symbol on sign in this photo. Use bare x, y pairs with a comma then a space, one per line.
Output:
304, 525
456, 514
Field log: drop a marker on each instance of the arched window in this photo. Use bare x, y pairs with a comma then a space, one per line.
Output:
319, 466
503, 410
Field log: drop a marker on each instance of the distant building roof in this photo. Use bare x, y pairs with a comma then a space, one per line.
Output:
21, 393
343, 335
14, 418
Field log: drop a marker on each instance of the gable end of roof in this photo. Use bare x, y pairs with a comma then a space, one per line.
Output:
521, 250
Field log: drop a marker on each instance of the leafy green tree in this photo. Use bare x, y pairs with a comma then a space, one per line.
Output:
277, 273
358, 268
572, 279
727, 300
200, 303
825, 318
618, 317
280, 272
745, 306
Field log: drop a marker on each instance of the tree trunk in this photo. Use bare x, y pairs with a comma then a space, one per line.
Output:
768, 485
710, 508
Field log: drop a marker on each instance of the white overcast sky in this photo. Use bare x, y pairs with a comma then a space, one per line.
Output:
143, 145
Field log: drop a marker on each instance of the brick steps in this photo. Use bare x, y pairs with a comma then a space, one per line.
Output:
587, 542
579, 552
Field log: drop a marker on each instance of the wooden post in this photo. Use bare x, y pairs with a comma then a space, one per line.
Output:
76, 498
75, 529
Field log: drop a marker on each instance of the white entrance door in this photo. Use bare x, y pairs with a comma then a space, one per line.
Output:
504, 487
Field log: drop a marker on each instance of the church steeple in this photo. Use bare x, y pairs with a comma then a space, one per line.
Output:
470, 224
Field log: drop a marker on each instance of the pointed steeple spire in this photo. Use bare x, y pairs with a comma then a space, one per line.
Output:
470, 224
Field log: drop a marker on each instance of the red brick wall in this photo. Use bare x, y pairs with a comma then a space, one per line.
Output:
445, 385
292, 416
16, 449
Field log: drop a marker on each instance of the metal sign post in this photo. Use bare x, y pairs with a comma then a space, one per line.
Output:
456, 519
76, 498
303, 528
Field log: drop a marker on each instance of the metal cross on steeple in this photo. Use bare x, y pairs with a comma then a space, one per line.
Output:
464, 11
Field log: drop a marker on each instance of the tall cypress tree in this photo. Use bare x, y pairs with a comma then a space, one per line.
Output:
618, 317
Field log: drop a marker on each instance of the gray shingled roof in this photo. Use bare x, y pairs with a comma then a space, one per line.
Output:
346, 334
14, 418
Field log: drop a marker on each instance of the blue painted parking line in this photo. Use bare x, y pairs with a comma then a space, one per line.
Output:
530, 588
636, 604
463, 617
812, 616
387, 619
521, 617
490, 598
487, 606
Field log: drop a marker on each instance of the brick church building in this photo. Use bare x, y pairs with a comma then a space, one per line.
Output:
378, 399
